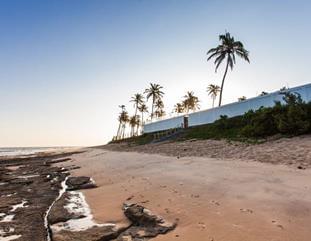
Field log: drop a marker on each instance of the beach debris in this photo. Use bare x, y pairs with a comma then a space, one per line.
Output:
77, 183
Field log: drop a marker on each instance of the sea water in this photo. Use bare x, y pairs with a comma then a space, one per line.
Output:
26, 151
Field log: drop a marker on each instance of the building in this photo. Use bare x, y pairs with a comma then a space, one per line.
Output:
230, 110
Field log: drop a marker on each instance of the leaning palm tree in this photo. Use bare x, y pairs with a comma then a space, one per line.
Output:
227, 51
179, 108
213, 91
154, 92
138, 99
191, 102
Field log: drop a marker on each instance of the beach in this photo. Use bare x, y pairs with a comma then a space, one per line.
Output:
199, 196
210, 198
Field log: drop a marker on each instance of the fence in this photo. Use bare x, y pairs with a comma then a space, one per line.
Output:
230, 110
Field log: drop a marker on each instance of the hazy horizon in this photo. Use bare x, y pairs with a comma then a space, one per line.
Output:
66, 66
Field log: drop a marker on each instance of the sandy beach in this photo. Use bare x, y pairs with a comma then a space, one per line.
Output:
214, 199
195, 190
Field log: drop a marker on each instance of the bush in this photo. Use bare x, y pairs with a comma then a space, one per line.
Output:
260, 123
291, 118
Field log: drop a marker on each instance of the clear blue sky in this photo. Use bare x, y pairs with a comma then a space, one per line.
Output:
65, 66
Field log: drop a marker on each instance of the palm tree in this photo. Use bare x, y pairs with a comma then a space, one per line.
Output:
159, 113
138, 99
159, 104
227, 51
179, 108
120, 120
213, 91
124, 119
143, 109
154, 92
191, 102
133, 121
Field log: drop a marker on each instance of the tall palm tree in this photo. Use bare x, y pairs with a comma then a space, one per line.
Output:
191, 102
227, 51
133, 120
138, 99
120, 120
154, 92
213, 91
143, 109
179, 108
124, 119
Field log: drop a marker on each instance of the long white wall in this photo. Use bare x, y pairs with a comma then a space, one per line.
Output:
233, 109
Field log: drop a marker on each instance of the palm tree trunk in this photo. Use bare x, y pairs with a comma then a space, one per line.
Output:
118, 133
142, 120
153, 100
123, 131
213, 101
222, 84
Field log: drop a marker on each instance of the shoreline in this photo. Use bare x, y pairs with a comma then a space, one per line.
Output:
30, 184
41, 200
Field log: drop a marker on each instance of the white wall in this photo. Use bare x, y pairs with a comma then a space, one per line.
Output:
233, 109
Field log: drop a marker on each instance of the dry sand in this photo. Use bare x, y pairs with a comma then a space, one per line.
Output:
289, 151
212, 199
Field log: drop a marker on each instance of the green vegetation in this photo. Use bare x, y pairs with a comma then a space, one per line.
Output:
292, 118
289, 119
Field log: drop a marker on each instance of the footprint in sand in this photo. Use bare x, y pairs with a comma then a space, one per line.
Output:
201, 225
277, 224
246, 210
130, 198
215, 203
195, 196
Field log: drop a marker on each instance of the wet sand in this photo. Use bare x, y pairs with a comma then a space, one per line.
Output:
212, 199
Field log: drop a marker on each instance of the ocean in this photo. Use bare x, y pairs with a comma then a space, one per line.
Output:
25, 151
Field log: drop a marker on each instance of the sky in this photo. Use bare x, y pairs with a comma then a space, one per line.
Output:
66, 65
